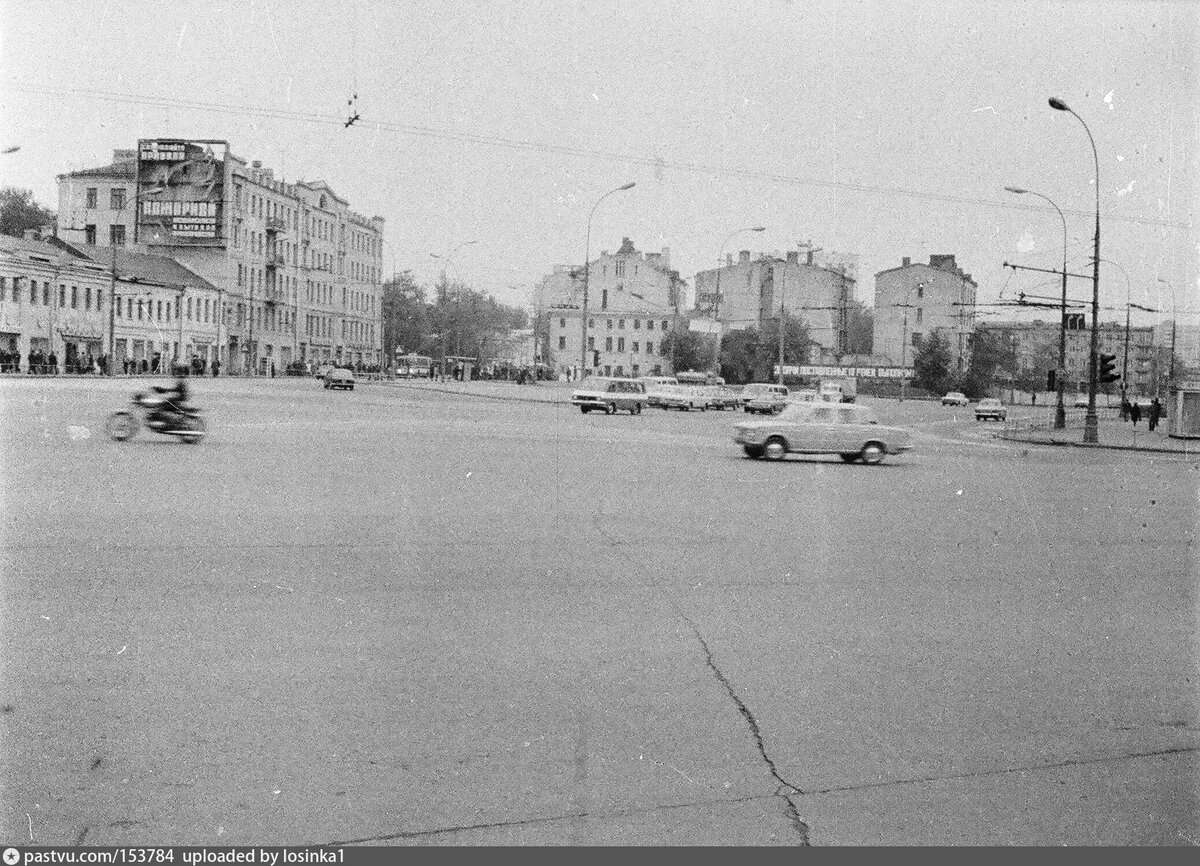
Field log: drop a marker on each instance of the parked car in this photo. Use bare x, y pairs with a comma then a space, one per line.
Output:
609, 395
848, 430
990, 408
339, 377
955, 398
656, 386
765, 398
321, 371
682, 397
722, 398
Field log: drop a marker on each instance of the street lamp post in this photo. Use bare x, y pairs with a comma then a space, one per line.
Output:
904, 341
587, 251
717, 296
1091, 425
1060, 410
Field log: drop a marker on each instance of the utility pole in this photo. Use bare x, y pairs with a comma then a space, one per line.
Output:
112, 315
782, 318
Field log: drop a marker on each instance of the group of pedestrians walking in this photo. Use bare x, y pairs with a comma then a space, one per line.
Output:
1132, 411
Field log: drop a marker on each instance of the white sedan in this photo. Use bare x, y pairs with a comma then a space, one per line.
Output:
850, 431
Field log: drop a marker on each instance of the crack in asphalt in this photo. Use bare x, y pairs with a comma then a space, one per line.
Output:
786, 789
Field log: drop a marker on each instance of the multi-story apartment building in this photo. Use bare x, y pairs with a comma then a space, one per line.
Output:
753, 289
915, 299
299, 272
634, 300
77, 303
1035, 348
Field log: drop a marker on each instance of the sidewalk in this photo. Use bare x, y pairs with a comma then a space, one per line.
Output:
541, 392
1112, 433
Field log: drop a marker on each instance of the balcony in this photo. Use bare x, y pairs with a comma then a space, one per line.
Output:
275, 225
275, 260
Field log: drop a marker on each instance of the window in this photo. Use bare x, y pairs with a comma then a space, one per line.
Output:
116, 198
920, 315
116, 235
608, 344
62, 295
649, 325
604, 302
45, 294
609, 322
620, 344
920, 290
140, 308
916, 338
620, 269
591, 323
160, 311
87, 297
89, 235
649, 349
189, 309
664, 325
635, 347
91, 196
620, 324
591, 343
637, 323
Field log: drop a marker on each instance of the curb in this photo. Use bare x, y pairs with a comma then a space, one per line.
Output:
1138, 448
514, 397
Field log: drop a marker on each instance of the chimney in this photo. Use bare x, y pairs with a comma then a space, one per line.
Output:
905, 262
743, 257
793, 257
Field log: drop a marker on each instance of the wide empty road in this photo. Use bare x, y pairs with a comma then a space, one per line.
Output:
400, 616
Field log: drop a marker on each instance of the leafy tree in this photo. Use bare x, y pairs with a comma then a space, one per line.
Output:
860, 329
750, 355
18, 212
933, 364
689, 350
407, 318
991, 357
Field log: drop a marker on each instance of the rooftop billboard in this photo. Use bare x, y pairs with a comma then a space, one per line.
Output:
181, 192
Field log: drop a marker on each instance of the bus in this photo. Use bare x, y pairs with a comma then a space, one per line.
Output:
413, 366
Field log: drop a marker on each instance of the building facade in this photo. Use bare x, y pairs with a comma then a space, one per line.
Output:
633, 305
1035, 348
299, 272
915, 299
82, 305
754, 288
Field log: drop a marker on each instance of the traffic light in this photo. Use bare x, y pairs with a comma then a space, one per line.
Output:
1051, 380
1108, 368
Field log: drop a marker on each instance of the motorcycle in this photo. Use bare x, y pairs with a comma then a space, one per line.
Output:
184, 422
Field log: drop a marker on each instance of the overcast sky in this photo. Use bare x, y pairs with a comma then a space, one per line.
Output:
882, 129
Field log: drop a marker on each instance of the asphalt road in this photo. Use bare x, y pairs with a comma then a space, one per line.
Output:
397, 616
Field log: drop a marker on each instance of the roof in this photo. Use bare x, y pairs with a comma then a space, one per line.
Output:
133, 267
121, 170
58, 253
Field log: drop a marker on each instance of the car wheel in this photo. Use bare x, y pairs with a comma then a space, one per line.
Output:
635, 409
326, 386
612, 409
584, 409
746, 409
775, 448
754, 451
872, 453
848, 458
351, 387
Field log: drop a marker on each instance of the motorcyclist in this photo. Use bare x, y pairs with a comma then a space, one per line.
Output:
174, 397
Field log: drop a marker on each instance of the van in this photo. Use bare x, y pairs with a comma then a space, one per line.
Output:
766, 398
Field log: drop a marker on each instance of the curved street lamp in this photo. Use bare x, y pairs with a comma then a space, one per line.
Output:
1091, 426
587, 266
717, 295
1060, 410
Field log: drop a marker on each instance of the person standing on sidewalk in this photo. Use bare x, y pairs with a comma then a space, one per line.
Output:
1155, 414
1135, 413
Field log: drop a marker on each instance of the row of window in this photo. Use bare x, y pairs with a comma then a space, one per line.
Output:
116, 198
635, 347
88, 296
116, 235
620, 324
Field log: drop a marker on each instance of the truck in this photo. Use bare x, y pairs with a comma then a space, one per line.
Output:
839, 389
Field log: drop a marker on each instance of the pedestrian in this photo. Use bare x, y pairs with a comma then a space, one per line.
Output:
216, 367
53, 363
1156, 411
272, 369
125, 365
1135, 413
1125, 407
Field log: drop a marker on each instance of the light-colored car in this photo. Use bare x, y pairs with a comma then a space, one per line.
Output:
721, 398
604, 394
339, 377
989, 408
764, 398
682, 397
322, 371
955, 398
848, 430
656, 386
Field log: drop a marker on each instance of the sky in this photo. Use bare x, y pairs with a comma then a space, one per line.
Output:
489, 131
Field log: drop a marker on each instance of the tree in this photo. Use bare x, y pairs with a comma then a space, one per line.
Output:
689, 350
1043, 356
18, 212
933, 363
860, 329
751, 354
991, 356
407, 319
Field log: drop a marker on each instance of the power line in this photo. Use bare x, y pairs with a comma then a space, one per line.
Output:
562, 150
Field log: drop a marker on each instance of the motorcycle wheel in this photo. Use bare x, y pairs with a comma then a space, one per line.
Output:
192, 429
121, 426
